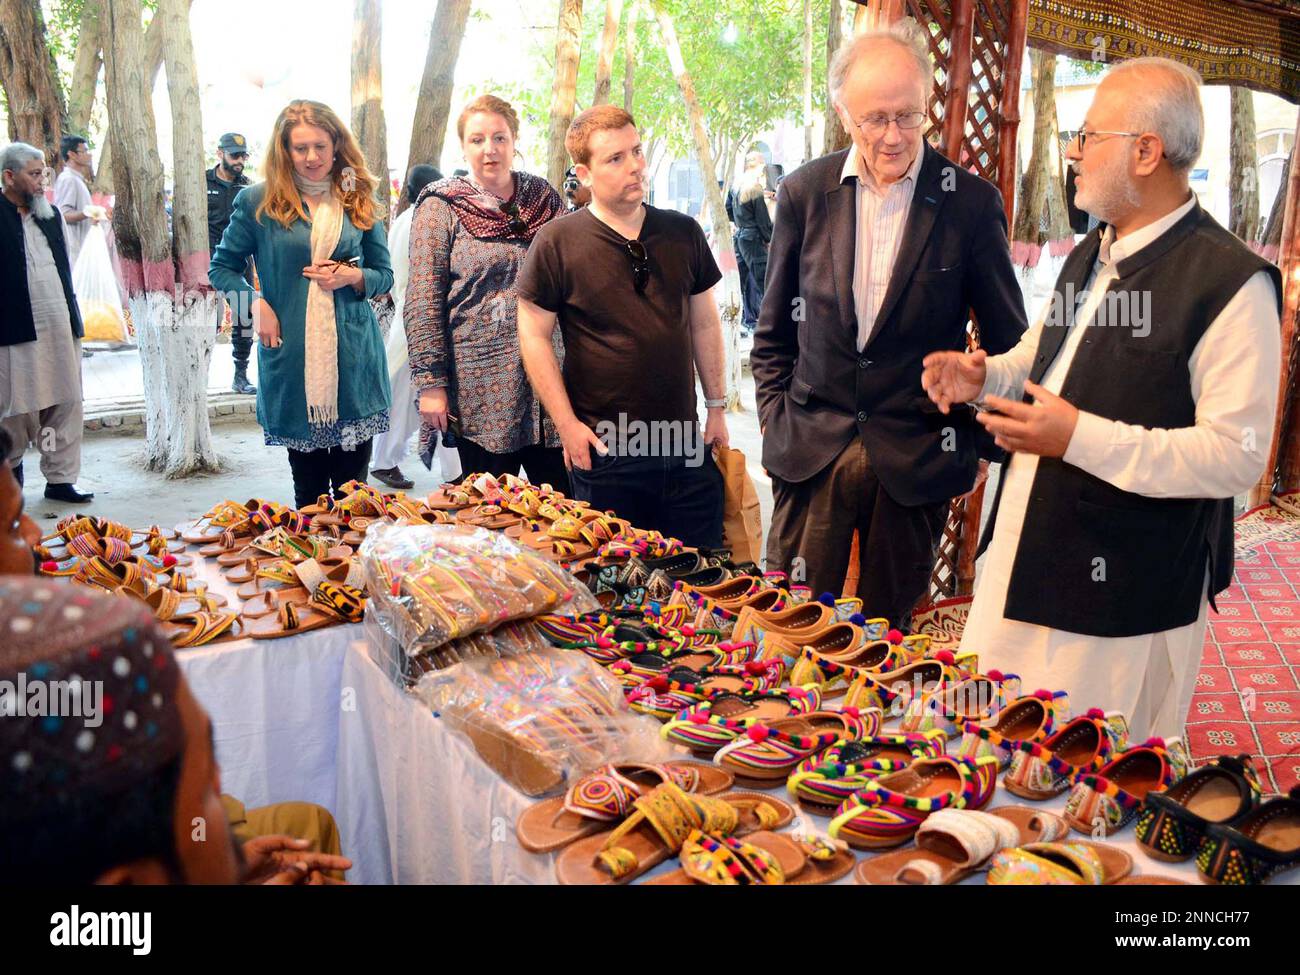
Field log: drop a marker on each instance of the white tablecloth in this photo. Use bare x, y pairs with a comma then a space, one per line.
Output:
313, 718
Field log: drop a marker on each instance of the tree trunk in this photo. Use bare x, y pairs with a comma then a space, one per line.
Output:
605, 59
629, 54
33, 94
189, 332
564, 93
368, 96
139, 221
432, 107
1243, 176
807, 81
1031, 228
834, 138
153, 62
1271, 239
712, 196
85, 69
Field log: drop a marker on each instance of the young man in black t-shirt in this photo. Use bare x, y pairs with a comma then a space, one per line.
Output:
631, 288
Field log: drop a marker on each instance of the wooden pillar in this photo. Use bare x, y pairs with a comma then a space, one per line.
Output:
880, 14
1282, 472
1008, 127
957, 100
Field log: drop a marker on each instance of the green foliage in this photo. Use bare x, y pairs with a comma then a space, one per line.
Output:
743, 86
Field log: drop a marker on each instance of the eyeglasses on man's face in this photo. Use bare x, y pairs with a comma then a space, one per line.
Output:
1083, 135
878, 122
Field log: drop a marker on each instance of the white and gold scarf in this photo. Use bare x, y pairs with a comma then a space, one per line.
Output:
322, 340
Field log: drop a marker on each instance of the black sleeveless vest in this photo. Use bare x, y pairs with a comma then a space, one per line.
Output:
1094, 559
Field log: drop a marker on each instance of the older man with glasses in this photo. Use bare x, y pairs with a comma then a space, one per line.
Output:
879, 255
1136, 409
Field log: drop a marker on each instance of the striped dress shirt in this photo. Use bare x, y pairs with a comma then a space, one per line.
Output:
881, 217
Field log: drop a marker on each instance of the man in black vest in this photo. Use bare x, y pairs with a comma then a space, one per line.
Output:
878, 256
1149, 389
225, 181
40, 331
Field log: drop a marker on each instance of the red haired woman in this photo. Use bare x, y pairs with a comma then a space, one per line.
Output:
314, 230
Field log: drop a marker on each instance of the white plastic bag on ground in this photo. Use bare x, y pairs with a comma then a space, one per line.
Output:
96, 290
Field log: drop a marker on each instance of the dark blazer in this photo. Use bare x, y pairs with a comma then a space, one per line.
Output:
16, 324
816, 392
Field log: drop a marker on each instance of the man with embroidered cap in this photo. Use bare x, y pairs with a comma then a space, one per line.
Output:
1140, 404
225, 181
106, 760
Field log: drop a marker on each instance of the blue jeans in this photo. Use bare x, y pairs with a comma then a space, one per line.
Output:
660, 493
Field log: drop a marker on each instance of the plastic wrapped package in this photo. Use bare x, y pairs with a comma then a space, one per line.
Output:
542, 717
95, 285
431, 584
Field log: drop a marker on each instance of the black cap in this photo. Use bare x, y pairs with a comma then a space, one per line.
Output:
233, 142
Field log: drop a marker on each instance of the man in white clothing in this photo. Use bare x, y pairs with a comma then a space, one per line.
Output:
72, 195
1149, 389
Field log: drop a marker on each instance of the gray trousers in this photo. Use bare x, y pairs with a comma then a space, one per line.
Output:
56, 432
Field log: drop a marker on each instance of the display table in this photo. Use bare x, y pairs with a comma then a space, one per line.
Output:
314, 718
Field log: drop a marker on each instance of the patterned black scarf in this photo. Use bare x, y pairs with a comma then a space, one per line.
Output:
481, 213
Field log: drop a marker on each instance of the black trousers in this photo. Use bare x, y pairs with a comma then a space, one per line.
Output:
672, 495
317, 472
542, 465
812, 535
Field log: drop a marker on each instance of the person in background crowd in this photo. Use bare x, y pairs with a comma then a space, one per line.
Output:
575, 194
631, 288
72, 195
225, 180
112, 796
315, 230
879, 253
753, 220
469, 238
404, 419
1112, 528
748, 300
40, 332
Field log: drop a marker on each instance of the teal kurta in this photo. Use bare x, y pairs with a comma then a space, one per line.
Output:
280, 255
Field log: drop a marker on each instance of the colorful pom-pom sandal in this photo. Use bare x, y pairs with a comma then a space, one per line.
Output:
1041, 770
1031, 718
718, 721
1262, 844
1075, 863
888, 810
1173, 823
661, 821
822, 661
604, 797
893, 690
950, 708
954, 844
767, 752
1105, 801
820, 783
761, 858
668, 694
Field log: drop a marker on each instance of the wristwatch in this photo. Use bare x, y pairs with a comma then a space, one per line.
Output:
715, 404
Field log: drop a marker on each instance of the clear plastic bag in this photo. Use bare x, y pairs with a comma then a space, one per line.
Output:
96, 290
541, 717
431, 584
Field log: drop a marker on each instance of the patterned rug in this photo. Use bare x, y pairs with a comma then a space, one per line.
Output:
1248, 689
